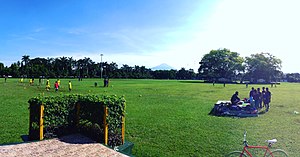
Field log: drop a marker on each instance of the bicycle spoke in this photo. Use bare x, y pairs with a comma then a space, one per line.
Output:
236, 154
278, 153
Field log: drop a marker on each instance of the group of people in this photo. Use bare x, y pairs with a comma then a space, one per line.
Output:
57, 85
257, 98
260, 99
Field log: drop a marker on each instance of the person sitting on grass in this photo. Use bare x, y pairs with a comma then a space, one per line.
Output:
235, 99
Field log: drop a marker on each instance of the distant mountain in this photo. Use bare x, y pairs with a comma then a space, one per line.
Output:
163, 66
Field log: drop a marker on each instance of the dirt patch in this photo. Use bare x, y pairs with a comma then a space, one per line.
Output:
72, 145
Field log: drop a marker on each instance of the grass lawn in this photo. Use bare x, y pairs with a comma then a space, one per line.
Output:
170, 117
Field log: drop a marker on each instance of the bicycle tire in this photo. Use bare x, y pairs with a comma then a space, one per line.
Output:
278, 153
236, 154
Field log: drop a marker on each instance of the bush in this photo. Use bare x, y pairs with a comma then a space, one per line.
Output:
60, 116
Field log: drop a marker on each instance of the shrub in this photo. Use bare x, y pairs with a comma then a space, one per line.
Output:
61, 116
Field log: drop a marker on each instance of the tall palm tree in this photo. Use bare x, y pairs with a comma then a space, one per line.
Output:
87, 62
63, 63
25, 60
71, 66
50, 67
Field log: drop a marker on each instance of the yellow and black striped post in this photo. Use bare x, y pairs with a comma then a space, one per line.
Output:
105, 125
41, 123
123, 129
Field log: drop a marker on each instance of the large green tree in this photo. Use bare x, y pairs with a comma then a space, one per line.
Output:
183, 74
1, 68
263, 66
14, 70
221, 63
38, 67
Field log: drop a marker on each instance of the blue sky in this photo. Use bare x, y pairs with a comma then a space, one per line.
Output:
149, 32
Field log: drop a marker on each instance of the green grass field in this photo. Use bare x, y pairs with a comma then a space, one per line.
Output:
170, 117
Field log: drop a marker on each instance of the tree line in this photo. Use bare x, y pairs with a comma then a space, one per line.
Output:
63, 67
226, 66
219, 65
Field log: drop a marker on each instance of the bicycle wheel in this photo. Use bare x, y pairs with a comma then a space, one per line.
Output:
278, 153
236, 154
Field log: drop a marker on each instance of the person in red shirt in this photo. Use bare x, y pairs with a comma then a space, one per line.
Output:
56, 86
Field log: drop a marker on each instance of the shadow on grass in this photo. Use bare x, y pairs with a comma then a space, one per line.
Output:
25, 139
262, 112
191, 81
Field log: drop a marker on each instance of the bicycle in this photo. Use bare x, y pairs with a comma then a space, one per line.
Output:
266, 150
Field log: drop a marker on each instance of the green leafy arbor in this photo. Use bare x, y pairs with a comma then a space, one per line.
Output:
100, 117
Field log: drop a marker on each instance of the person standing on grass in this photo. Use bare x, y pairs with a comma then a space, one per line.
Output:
58, 81
256, 99
263, 92
260, 98
251, 92
267, 99
56, 86
31, 81
70, 86
107, 81
48, 85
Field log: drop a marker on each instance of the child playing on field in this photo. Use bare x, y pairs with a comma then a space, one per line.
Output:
56, 86
48, 85
30, 82
21, 80
70, 86
58, 81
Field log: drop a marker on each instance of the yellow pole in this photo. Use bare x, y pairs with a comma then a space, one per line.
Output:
105, 126
123, 129
41, 122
